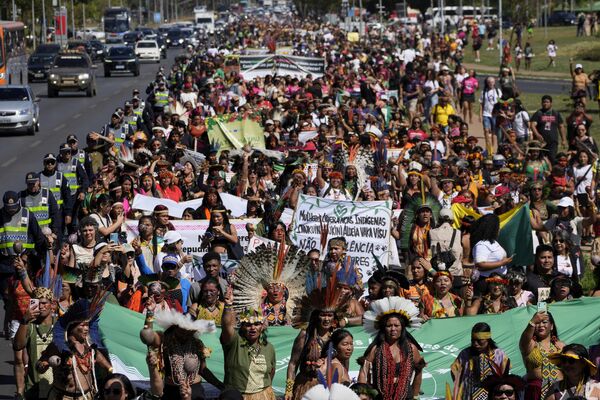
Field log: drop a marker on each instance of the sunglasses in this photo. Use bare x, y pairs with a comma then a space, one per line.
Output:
558, 241
114, 392
508, 392
49, 162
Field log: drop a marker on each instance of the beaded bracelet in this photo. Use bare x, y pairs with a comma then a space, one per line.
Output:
289, 385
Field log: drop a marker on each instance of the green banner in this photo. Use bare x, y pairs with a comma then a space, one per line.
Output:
233, 132
578, 321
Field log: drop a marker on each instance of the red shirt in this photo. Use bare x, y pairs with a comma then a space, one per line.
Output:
171, 192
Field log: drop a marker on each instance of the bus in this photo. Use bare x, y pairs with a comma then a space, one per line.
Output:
116, 22
13, 58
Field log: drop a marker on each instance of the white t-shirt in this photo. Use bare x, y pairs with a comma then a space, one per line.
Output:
552, 50
521, 124
584, 176
491, 98
484, 251
563, 264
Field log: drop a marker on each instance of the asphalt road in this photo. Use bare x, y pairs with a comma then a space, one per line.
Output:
70, 113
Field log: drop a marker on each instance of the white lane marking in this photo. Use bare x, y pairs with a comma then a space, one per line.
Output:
6, 164
116, 91
58, 128
104, 98
36, 143
92, 105
76, 115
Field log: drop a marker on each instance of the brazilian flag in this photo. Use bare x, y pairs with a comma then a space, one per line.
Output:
515, 231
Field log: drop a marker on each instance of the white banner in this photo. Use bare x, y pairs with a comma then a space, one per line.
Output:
237, 205
192, 232
364, 224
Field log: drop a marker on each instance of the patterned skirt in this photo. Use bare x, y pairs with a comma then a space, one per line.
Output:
265, 394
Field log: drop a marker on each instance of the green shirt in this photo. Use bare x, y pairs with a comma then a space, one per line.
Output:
37, 385
245, 371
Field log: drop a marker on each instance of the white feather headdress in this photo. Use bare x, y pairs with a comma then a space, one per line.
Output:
405, 308
335, 392
287, 265
168, 318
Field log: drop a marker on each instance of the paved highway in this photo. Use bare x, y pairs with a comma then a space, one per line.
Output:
70, 113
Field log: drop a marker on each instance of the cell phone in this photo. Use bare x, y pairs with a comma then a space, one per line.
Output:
542, 307
34, 303
114, 237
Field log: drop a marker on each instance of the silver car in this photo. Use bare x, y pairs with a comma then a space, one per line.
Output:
19, 109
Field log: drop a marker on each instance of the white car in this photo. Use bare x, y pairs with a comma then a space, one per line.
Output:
91, 33
19, 109
147, 50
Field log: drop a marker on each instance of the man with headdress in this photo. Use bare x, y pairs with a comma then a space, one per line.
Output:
281, 273
249, 357
33, 337
74, 352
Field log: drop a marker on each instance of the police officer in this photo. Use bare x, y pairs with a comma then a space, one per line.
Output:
160, 97
131, 119
117, 128
77, 180
41, 203
80, 155
56, 183
17, 224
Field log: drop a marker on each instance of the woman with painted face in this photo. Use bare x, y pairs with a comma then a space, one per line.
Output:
392, 363
477, 362
538, 341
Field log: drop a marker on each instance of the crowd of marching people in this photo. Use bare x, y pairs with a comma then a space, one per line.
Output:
391, 119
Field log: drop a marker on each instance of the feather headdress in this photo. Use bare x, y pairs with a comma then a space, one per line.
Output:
168, 318
382, 273
399, 306
286, 265
83, 310
322, 298
409, 214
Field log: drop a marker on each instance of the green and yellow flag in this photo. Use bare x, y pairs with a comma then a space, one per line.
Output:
515, 231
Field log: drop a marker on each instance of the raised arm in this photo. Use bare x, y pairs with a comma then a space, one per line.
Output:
228, 319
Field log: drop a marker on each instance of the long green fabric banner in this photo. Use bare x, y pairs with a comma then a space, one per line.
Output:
578, 321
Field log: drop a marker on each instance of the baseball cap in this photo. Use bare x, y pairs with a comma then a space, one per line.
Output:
11, 200
136, 98
169, 261
49, 156
446, 213
72, 138
269, 122
32, 177
172, 237
566, 202
64, 147
577, 66
128, 104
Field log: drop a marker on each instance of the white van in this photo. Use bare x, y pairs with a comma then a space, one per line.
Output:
147, 50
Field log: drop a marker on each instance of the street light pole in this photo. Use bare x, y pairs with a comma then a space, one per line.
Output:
33, 23
500, 22
44, 24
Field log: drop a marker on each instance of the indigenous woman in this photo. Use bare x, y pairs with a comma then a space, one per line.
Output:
419, 287
538, 340
495, 301
578, 372
392, 364
441, 303
477, 362
315, 315
73, 354
183, 353
342, 344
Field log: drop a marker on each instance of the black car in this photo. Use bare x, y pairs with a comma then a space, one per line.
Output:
175, 38
72, 71
131, 38
41, 60
562, 18
121, 59
99, 49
